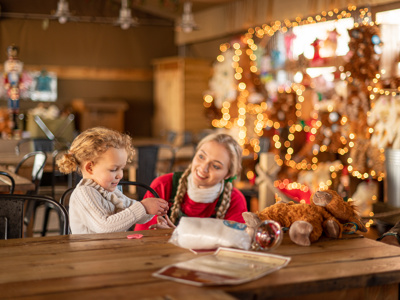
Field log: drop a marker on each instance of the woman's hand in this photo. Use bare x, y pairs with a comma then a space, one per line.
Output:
155, 206
163, 223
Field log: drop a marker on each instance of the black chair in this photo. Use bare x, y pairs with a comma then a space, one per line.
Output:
64, 199
39, 159
41, 144
73, 179
146, 162
12, 214
12, 186
171, 136
33, 162
153, 161
165, 159
139, 184
54, 146
202, 134
183, 157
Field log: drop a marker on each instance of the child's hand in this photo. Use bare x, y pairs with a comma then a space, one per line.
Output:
163, 223
155, 206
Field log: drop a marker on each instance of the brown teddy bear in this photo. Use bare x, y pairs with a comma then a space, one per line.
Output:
327, 213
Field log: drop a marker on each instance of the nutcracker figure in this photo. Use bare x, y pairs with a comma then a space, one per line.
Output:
13, 82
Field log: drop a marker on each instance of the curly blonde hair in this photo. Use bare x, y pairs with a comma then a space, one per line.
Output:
91, 144
235, 158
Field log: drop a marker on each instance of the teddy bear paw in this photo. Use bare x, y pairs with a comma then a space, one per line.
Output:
332, 229
299, 233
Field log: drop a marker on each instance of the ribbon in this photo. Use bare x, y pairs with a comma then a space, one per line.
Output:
353, 228
230, 179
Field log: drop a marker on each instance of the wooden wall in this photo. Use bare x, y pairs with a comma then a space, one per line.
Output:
93, 61
178, 95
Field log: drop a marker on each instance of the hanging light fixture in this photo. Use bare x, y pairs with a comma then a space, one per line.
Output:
62, 12
187, 23
125, 19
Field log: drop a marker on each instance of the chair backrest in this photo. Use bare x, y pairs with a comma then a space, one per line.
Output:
183, 157
188, 138
39, 161
146, 162
165, 159
139, 184
12, 186
153, 161
64, 199
171, 136
12, 214
40, 144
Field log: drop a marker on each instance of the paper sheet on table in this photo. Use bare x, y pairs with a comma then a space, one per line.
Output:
225, 266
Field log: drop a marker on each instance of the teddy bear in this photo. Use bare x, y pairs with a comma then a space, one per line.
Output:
327, 213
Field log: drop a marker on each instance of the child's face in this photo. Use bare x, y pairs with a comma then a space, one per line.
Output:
107, 171
210, 165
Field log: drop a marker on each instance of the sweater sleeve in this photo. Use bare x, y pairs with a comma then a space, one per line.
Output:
90, 212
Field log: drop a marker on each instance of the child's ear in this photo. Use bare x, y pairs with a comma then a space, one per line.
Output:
88, 167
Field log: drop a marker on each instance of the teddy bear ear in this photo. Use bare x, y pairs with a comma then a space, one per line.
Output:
251, 219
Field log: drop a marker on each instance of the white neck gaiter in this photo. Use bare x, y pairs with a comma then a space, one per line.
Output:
203, 195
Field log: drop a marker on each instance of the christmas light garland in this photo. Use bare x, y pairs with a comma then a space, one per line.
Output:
238, 113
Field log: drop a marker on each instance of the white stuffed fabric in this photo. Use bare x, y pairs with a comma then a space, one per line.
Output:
385, 119
363, 197
208, 233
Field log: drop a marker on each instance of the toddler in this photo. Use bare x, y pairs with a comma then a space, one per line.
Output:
96, 205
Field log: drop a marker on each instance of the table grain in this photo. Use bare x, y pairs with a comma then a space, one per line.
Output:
22, 184
110, 266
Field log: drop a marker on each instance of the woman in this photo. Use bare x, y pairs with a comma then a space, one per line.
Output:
205, 188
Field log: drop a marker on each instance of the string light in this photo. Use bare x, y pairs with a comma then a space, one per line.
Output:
252, 119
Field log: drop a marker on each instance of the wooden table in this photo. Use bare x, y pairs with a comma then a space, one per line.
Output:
104, 266
22, 184
10, 159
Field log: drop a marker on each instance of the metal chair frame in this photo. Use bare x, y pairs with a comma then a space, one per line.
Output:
12, 213
64, 199
12, 187
147, 162
69, 191
37, 170
136, 183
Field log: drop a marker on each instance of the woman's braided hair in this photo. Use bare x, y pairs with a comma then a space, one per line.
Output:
91, 144
235, 158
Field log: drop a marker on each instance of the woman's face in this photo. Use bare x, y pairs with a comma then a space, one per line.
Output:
210, 164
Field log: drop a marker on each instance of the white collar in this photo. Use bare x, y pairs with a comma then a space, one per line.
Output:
203, 195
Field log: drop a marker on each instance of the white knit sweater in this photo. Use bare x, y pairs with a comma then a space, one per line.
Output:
92, 209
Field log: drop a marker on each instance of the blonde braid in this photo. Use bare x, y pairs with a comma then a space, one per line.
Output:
226, 201
180, 193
